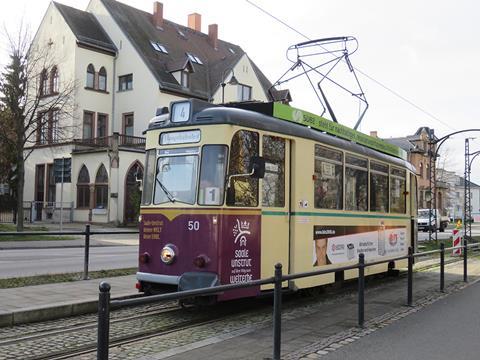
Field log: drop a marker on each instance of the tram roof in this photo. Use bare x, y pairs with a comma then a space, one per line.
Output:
204, 113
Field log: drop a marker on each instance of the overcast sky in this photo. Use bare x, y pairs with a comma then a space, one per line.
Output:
426, 51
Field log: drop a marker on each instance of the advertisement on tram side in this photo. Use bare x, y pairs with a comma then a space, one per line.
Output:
342, 244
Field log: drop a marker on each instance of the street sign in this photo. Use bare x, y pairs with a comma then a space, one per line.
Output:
64, 166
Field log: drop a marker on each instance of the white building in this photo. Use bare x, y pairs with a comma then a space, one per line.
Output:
126, 63
455, 201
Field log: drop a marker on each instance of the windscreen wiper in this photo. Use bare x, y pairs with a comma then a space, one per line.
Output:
165, 190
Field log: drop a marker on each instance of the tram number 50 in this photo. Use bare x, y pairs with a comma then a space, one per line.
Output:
193, 225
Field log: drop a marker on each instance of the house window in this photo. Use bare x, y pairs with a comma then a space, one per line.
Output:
53, 129
102, 79
184, 78
244, 92
102, 121
101, 188
125, 82
90, 77
54, 80
421, 170
83, 188
88, 124
128, 124
44, 83
42, 128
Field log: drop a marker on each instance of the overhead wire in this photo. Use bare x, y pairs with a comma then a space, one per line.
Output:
385, 87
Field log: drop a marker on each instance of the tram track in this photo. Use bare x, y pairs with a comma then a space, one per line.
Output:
80, 339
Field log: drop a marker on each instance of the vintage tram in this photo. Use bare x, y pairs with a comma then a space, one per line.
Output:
229, 191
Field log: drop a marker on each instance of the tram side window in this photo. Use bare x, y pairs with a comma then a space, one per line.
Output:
212, 175
328, 178
273, 190
356, 183
243, 189
398, 199
378, 187
148, 177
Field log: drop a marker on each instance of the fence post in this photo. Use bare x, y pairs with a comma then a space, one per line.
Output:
361, 289
465, 258
410, 277
103, 321
87, 252
277, 312
442, 267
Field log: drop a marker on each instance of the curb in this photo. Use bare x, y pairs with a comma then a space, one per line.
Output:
53, 311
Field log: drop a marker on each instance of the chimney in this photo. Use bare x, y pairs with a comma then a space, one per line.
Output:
157, 14
374, 134
213, 35
195, 22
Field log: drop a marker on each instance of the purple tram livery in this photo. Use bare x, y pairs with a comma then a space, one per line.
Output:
228, 191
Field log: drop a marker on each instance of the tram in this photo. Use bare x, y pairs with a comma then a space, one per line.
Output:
229, 191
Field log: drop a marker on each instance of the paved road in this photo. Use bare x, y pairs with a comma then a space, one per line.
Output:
423, 236
28, 262
447, 329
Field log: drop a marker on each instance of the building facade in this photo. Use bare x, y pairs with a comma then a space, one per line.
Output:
125, 64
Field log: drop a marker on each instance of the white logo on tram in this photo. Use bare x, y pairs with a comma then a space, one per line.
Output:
240, 230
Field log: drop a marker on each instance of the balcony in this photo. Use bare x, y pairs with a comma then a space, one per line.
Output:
113, 142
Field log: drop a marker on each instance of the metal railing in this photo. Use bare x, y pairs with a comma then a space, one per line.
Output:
105, 304
113, 140
86, 234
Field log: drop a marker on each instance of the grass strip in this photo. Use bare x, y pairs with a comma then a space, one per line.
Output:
58, 278
39, 237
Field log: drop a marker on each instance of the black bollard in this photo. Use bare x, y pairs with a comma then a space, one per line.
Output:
87, 252
442, 267
410, 277
103, 321
465, 258
361, 289
277, 312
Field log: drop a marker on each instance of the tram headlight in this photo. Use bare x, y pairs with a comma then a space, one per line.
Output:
168, 254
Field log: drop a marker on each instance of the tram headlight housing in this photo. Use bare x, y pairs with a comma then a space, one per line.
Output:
168, 254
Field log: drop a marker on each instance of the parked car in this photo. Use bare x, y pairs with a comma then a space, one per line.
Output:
438, 222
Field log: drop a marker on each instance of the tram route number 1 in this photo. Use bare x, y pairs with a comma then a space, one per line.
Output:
193, 225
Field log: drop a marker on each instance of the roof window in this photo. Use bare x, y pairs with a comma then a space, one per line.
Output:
194, 58
231, 50
159, 47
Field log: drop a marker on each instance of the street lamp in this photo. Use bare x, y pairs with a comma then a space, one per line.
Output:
233, 81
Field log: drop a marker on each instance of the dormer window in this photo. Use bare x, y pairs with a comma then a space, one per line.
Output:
159, 47
194, 58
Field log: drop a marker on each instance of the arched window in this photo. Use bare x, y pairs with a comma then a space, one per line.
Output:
421, 170
54, 80
83, 188
90, 76
44, 83
101, 188
102, 79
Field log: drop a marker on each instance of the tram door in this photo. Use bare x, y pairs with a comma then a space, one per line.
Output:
275, 190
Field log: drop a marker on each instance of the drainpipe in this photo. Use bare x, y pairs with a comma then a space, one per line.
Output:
113, 131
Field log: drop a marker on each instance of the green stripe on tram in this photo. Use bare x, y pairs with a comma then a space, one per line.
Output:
275, 213
321, 214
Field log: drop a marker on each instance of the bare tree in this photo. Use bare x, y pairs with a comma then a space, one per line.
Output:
35, 107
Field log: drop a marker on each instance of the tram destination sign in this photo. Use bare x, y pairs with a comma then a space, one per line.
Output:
286, 112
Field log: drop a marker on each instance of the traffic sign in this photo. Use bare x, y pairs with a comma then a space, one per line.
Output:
63, 167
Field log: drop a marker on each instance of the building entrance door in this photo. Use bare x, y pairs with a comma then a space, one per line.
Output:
39, 191
132, 194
